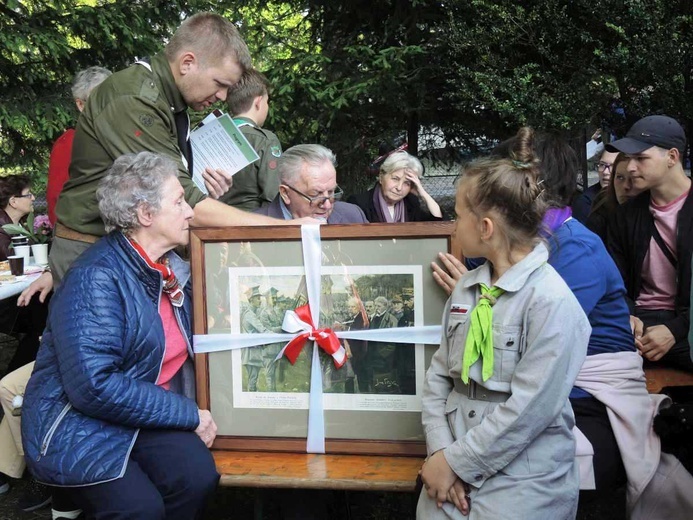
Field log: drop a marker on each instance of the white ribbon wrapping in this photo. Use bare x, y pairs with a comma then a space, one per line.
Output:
312, 260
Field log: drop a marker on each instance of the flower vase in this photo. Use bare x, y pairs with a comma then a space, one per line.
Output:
40, 252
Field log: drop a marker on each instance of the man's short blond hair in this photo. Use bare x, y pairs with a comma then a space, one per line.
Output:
211, 38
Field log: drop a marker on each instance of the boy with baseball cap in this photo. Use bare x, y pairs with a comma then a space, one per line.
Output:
651, 239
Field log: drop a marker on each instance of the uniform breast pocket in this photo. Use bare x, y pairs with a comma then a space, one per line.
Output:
451, 414
507, 346
456, 335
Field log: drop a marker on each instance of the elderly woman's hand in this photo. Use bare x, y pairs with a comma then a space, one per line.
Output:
207, 429
415, 181
418, 189
42, 285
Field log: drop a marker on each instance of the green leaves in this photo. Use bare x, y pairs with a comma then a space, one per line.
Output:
44, 43
352, 75
15, 229
560, 64
36, 236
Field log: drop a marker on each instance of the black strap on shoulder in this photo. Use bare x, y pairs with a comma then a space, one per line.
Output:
662, 245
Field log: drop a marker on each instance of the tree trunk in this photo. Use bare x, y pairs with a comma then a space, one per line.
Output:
413, 133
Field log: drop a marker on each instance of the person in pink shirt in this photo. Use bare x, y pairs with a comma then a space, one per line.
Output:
651, 239
59, 163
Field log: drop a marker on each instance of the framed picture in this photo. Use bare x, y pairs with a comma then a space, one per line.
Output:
373, 276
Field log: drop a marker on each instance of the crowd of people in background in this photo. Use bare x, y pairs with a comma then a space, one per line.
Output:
537, 389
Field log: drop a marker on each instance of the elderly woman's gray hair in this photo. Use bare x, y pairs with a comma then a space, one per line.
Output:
401, 161
132, 181
85, 81
291, 161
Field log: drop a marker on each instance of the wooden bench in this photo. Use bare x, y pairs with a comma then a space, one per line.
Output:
311, 471
660, 377
263, 470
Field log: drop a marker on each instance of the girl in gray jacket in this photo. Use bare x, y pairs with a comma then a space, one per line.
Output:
496, 415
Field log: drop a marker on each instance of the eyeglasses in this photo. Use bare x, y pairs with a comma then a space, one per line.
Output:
603, 166
26, 195
319, 200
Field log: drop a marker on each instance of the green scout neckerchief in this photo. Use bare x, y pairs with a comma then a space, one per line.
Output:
480, 336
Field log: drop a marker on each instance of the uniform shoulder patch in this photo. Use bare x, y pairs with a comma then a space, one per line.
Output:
276, 151
146, 120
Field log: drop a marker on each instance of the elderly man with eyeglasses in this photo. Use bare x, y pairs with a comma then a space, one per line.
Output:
583, 203
308, 188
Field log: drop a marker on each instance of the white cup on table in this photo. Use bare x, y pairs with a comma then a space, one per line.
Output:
24, 251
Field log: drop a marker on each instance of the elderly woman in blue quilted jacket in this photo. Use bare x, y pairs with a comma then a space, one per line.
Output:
109, 412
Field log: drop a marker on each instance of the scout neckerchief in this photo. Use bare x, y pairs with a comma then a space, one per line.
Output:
480, 337
243, 122
171, 287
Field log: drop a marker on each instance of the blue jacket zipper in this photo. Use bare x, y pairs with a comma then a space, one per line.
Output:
47, 439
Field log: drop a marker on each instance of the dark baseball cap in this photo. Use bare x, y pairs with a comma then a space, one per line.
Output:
662, 131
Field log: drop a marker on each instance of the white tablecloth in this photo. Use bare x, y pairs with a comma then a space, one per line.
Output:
8, 290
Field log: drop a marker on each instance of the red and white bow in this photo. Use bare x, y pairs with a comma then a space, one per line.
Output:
299, 322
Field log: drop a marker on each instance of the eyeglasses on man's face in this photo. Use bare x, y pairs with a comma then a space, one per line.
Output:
604, 166
319, 200
25, 195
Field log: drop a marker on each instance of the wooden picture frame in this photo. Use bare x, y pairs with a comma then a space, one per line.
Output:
230, 264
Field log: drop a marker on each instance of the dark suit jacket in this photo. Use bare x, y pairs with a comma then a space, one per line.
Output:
343, 212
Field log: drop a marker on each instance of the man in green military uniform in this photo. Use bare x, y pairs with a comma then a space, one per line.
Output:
144, 108
251, 324
272, 317
258, 183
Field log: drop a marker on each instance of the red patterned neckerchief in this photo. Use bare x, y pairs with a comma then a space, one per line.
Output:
171, 286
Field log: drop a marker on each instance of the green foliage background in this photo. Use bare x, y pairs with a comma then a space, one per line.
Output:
352, 75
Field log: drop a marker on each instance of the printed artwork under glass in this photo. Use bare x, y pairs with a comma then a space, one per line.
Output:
377, 375
367, 284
